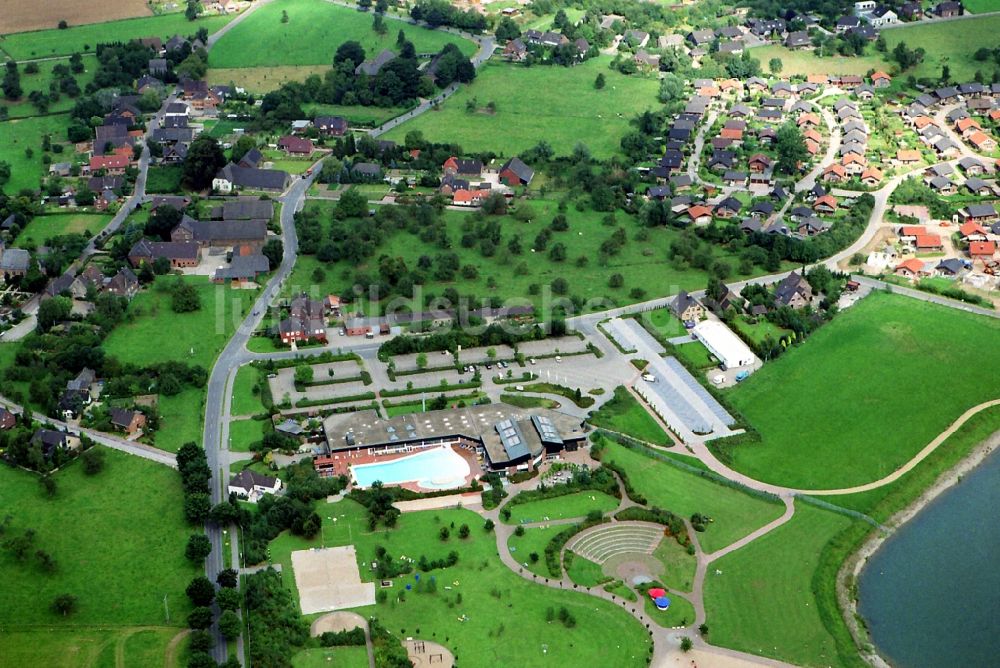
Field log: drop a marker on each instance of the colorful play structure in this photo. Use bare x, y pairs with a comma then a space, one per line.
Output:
659, 597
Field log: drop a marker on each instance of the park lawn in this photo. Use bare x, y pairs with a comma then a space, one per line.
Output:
642, 264
534, 540
246, 401
734, 513
485, 584
42, 228
696, 354
244, 432
625, 414
680, 613
164, 179
577, 504
880, 360
678, 565
313, 33
585, 572
45, 43
332, 657
759, 330
17, 135
554, 104
263, 79
40, 82
133, 505
763, 601
181, 419
154, 333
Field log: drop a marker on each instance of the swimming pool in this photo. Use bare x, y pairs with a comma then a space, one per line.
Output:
437, 468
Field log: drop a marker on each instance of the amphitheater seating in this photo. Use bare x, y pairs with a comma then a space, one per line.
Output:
604, 542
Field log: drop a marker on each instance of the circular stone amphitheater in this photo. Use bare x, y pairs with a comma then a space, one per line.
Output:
622, 549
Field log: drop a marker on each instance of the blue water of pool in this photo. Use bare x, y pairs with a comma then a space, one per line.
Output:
439, 468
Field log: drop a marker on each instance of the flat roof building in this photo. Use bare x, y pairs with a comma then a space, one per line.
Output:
506, 436
726, 346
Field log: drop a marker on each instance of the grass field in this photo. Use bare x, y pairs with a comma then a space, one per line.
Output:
806, 62
873, 377
164, 179
951, 42
74, 647
314, 31
134, 506
533, 540
664, 322
43, 228
333, 657
554, 104
760, 330
157, 334
244, 432
697, 354
20, 134
23, 15
981, 6
624, 413
263, 79
40, 82
763, 603
734, 513
181, 419
44, 43
577, 504
245, 400
486, 586
355, 114
642, 264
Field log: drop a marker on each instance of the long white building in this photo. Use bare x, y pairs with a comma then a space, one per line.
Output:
726, 346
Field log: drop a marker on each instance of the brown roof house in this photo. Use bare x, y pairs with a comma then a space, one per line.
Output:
687, 307
127, 420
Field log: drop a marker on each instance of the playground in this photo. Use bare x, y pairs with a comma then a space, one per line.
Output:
426, 653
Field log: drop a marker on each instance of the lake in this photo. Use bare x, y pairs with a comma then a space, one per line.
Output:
931, 593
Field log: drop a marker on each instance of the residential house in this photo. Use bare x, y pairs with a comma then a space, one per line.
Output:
123, 284
798, 40
233, 177
977, 186
951, 266
515, 173
687, 308
759, 162
7, 419
928, 242
881, 80
293, 145
331, 126
127, 420
983, 142
463, 167
306, 321
50, 440
180, 254
251, 486
793, 291
982, 250
515, 50
979, 213
243, 269
883, 16
949, 9
14, 262
911, 269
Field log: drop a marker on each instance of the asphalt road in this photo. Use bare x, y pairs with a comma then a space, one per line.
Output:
235, 354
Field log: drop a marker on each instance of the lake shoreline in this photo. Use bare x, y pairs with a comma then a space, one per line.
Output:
851, 569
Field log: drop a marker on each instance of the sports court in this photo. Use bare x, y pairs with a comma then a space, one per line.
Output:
329, 579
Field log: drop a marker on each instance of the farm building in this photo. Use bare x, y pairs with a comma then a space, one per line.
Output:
726, 346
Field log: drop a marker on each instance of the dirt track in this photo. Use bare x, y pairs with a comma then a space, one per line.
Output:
22, 15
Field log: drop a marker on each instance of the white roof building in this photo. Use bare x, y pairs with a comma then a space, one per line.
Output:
726, 346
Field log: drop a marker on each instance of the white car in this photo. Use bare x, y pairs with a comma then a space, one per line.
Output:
718, 380
532, 361
649, 378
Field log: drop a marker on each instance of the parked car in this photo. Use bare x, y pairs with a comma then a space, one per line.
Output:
558, 358
742, 375
718, 380
532, 361
649, 378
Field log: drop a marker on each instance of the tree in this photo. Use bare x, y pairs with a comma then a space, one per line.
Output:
228, 578
616, 281
11, 85
775, 65
791, 149
284, 16
463, 531
228, 599
198, 547
599, 81
378, 25
273, 250
201, 591
303, 373
65, 604
192, 10
196, 507
93, 461
351, 52
488, 525
5, 171
230, 625
184, 297
421, 360
162, 222
686, 644
200, 618
352, 204
52, 311
203, 162
507, 30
